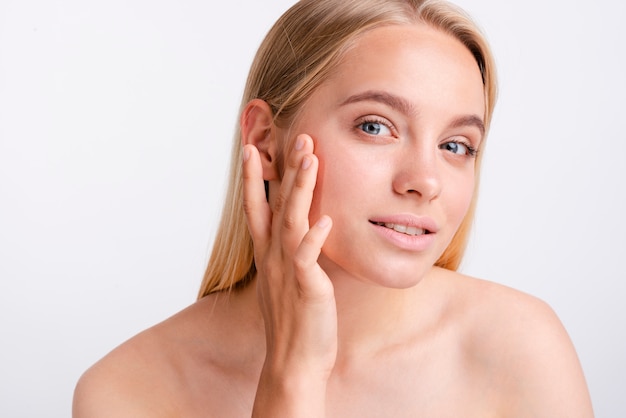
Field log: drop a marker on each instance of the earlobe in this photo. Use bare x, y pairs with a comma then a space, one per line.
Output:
257, 128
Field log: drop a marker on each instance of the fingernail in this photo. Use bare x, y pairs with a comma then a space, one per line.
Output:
246, 154
323, 222
299, 143
306, 163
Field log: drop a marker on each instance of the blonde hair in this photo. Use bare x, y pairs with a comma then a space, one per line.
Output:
298, 54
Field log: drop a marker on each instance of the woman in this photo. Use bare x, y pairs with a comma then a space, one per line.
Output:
332, 287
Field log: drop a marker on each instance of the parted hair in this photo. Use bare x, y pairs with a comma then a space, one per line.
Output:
299, 53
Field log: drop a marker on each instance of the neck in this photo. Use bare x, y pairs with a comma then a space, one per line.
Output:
371, 316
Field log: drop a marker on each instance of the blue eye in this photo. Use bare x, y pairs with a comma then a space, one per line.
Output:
458, 148
374, 128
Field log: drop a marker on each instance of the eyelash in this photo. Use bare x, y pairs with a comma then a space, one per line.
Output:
471, 151
374, 120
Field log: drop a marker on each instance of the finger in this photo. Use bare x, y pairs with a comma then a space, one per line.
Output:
295, 218
303, 145
313, 282
257, 211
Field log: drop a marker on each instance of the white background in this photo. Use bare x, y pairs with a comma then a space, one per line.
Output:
115, 128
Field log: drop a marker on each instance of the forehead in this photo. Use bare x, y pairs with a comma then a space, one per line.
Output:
423, 64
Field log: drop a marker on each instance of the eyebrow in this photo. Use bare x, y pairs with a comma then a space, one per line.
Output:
391, 100
407, 108
469, 120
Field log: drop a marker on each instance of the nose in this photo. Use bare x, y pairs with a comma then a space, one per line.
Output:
417, 172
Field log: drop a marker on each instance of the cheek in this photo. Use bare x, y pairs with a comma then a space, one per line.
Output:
339, 185
460, 198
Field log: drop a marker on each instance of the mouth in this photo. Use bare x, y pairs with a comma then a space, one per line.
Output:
403, 229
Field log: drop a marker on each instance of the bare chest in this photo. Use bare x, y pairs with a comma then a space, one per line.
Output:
432, 387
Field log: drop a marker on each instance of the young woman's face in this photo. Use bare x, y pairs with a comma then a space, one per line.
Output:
395, 129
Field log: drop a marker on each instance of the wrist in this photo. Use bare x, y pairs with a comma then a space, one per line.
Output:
292, 393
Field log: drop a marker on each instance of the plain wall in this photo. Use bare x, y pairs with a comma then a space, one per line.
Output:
116, 120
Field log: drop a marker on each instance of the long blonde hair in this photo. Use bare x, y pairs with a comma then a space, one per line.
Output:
297, 55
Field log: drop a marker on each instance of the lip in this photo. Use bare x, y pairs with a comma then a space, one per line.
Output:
403, 241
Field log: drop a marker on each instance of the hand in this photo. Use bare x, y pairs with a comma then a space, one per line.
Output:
295, 294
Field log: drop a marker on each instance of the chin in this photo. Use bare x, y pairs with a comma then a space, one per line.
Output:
401, 280
374, 272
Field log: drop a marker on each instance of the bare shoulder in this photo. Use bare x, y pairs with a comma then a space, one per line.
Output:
522, 344
120, 383
172, 369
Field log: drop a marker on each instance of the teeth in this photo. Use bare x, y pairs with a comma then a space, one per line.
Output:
409, 230
398, 228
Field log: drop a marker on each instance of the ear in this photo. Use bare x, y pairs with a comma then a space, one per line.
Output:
257, 128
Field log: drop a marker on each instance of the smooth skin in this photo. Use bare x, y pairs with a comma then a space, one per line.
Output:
347, 318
